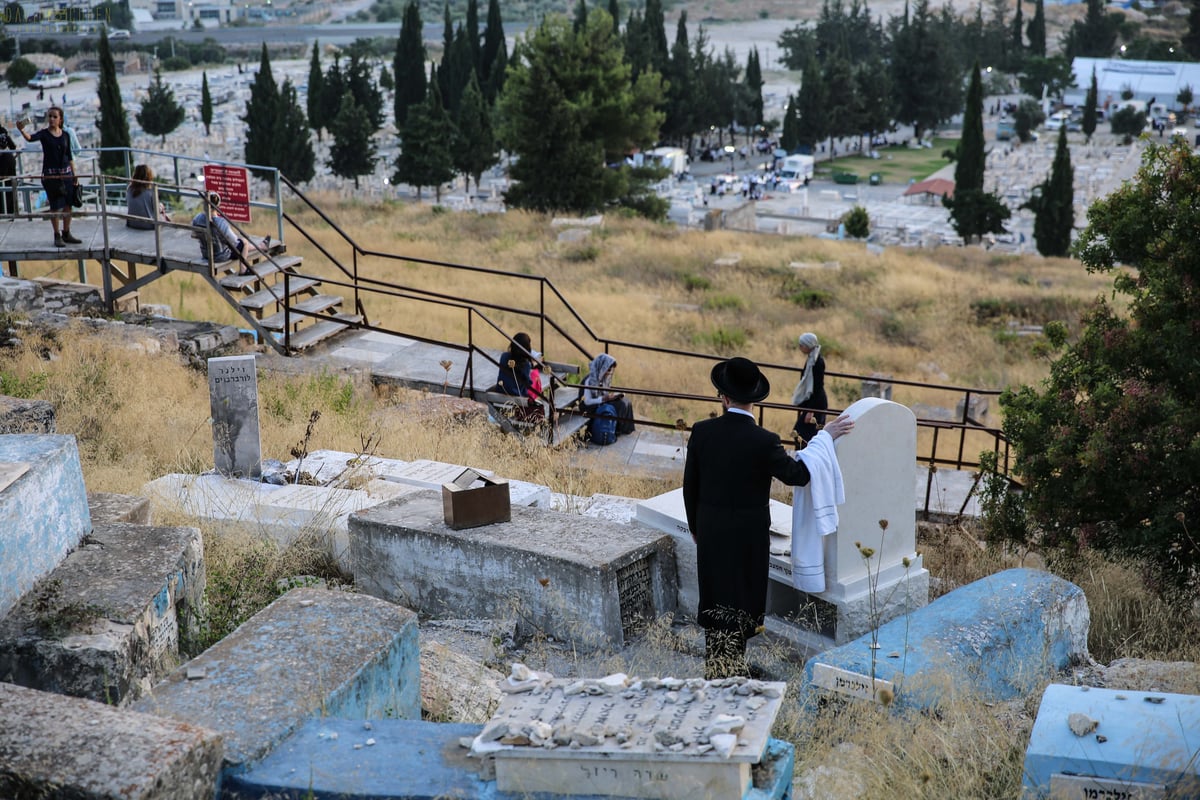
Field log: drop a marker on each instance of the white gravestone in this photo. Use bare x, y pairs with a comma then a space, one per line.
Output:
666, 513
878, 462
233, 395
668, 739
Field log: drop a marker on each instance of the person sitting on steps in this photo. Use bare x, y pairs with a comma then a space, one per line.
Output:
225, 242
597, 391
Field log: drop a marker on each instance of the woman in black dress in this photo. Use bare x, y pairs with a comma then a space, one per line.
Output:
58, 172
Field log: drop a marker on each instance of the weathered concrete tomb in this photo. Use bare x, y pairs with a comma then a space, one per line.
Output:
583, 580
55, 746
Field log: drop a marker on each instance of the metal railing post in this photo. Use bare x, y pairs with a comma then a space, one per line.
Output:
287, 311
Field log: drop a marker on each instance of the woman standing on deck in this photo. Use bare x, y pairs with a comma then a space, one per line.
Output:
58, 172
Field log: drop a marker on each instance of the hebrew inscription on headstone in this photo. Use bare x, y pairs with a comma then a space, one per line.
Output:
233, 395
668, 738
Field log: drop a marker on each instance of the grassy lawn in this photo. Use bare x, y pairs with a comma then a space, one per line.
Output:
897, 165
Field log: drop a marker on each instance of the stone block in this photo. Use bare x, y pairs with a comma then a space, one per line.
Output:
109, 507
312, 651
43, 513
66, 747
996, 638
416, 760
105, 624
18, 415
287, 514
20, 295
588, 581
1142, 745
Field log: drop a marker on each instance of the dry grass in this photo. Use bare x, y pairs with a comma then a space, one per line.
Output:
138, 416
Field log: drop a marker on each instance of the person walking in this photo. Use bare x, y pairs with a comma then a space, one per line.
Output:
726, 495
809, 395
58, 172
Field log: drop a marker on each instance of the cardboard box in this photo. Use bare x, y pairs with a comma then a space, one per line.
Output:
471, 500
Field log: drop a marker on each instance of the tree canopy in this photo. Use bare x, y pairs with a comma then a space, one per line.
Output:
352, 152
408, 64
1053, 204
112, 121
425, 158
160, 113
568, 111
1109, 446
973, 211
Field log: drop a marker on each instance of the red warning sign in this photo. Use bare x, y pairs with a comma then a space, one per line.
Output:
233, 184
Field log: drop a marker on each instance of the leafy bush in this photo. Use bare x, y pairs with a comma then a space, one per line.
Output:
1028, 116
693, 282
721, 340
811, 298
724, 302
1129, 122
20, 72
176, 63
858, 224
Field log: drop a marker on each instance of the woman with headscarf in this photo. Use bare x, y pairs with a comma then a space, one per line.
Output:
597, 391
809, 395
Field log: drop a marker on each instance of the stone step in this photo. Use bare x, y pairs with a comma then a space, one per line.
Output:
315, 304
273, 294
568, 425
106, 623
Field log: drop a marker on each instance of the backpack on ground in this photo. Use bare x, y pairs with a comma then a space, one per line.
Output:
603, 427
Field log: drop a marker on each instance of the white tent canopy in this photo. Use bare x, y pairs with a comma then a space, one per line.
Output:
1159, 81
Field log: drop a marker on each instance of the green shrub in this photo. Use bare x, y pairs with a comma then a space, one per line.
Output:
723, 302
587, 252
811, 298
721, 340
858, 224
693, 282
176, 63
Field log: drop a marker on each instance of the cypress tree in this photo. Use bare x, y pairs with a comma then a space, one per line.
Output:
614, 11
1018, 43
409, 64
206, 104
656, 35
366, 94
425, 158
974, 212
314, 103
1054, 209
789, 138
294, 155
754, 84
1037, 30
353, 150
112, 122
332, 89
473, 32
581, 14
810, 105
1089, 108
260, 116
475, 144
493, 43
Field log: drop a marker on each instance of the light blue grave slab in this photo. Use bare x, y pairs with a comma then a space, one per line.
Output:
413, 760
996, 638
310, 652
43, 512
1144, 745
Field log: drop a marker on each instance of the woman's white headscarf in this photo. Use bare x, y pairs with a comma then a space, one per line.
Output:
804, 388
599, 368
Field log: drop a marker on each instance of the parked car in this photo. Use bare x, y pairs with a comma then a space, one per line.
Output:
1057, 120
49, 78
118, 33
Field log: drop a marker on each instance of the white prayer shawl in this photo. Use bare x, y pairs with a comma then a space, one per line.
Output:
814, 512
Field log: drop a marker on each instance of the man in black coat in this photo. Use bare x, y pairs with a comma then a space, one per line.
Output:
726, 495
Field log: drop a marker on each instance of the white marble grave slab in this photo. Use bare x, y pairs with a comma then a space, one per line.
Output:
359, 354
651, 738
327, 466
667, 451
569, 503
611, 507
432, 474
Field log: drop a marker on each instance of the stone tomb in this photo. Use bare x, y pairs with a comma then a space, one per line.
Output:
106, 622
233, 396
666, 513
878, 461
587, 581
668, 739
43, 510
1102, 743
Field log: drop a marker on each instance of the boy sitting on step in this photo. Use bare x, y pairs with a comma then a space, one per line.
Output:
225, 241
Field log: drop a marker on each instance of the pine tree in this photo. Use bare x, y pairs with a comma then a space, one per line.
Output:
475, 144
409, 64
1037, 30
294, 152
314, 102
333, 86
112, 122
206, 104
385, 79
789, 138
260, 116
1089, 108
160, 113
1053, 206
352, 152
425, 158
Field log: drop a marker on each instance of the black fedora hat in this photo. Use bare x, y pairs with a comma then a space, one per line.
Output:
740, 380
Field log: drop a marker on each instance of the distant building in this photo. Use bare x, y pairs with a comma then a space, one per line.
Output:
1157, 81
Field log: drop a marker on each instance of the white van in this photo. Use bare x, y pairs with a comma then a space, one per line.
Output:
796, 171
49, 78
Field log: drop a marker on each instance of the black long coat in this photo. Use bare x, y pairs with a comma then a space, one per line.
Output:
726, 495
